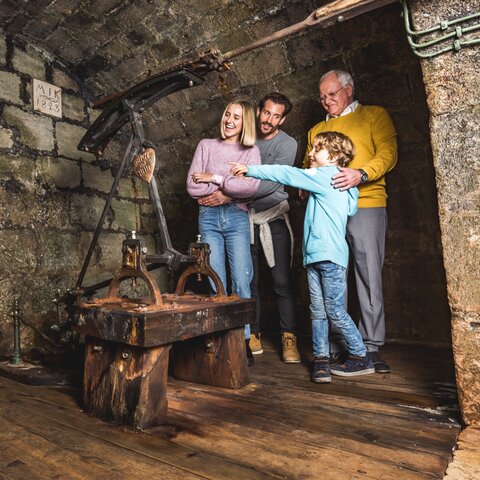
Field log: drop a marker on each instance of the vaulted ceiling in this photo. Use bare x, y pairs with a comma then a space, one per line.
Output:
111, 44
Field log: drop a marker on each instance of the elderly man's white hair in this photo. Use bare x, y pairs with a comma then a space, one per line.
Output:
343, 77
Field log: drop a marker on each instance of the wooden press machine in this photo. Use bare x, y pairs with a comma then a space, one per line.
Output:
130, 341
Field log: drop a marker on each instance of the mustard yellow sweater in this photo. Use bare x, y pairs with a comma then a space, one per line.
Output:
372, 132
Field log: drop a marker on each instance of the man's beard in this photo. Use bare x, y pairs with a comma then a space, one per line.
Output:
272, 128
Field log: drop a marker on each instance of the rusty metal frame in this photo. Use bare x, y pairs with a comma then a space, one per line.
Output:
128, 109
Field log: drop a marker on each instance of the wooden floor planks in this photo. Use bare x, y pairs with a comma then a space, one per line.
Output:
397, 426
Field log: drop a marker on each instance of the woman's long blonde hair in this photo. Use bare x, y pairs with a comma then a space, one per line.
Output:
248, 135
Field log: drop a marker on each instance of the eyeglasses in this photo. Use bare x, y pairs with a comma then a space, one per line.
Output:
330, 95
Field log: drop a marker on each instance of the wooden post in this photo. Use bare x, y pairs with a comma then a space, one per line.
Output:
215, 359
124, 383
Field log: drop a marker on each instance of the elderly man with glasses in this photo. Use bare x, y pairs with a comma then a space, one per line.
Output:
373, 134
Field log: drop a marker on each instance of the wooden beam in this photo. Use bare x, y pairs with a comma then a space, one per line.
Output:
326, 16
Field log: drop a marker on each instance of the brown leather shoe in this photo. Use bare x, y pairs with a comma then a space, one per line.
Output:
256, 344
289, 347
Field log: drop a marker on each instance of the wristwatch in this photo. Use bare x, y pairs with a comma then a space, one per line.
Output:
363, 176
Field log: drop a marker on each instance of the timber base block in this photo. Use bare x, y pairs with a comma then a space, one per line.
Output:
127, 384
217, 359
127, 352
124, 383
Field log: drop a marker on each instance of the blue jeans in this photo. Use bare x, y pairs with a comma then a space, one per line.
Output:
227, 229
327, 285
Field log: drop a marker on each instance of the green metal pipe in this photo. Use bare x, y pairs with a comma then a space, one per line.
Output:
441, 26
457, 34
456, 46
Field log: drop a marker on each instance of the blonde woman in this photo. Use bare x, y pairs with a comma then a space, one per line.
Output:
226, 227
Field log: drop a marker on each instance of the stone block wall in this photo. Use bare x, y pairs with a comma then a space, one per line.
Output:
374, 48
52, 195
110, 45
453, 94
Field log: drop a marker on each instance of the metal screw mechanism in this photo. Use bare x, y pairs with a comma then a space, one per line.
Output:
16, 358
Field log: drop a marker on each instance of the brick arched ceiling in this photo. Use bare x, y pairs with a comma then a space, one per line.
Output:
111, 44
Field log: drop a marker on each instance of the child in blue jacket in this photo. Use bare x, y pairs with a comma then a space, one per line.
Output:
325, 249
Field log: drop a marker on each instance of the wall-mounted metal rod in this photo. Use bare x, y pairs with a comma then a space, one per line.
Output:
457, 45
440, 26
458, 33
16, 358
455, 35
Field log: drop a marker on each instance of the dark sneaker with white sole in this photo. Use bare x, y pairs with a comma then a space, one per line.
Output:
380, 365
353, 366
338, 357
321, 370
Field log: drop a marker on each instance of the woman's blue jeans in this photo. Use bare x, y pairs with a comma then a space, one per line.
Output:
327, 285
227, 230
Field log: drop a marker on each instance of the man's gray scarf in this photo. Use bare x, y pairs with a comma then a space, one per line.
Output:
261, 219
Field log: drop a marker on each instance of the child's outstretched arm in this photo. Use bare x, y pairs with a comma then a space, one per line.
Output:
238, 169
202, 177
312, 179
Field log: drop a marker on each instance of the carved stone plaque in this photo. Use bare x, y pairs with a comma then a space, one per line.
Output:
47, 98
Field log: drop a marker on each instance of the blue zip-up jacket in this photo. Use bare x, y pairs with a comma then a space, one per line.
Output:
327, 211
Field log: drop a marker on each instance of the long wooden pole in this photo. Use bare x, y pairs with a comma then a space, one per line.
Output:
334, 12
330, 14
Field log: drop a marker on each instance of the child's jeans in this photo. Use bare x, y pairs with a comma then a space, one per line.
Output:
327, 285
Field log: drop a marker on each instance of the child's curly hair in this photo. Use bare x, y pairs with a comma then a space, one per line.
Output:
338, 145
